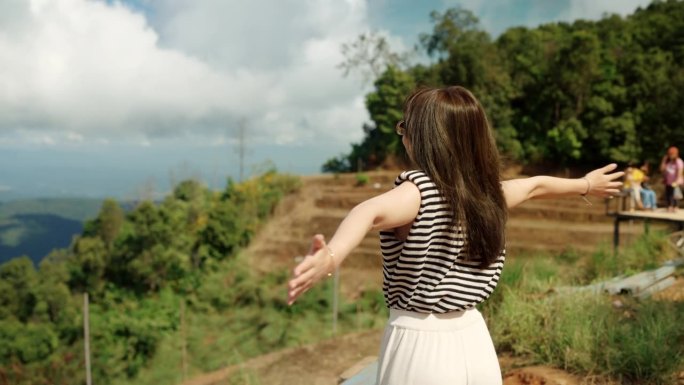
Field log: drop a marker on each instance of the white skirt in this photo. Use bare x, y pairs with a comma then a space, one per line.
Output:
437, 349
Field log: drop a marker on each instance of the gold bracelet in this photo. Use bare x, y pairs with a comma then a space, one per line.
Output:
331, 254
584, 196
588, 186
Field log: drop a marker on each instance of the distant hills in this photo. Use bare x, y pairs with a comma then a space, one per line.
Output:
34, 227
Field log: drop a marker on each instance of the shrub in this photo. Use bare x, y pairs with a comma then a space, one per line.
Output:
362, 179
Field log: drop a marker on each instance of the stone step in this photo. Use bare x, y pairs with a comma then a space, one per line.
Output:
553, 235
347, 200
350, 179
568, 214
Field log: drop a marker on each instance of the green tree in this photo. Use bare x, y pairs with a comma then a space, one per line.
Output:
88, 265
18, 280
385, 106
110, 220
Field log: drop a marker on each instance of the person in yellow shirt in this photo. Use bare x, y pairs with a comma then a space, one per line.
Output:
633, 178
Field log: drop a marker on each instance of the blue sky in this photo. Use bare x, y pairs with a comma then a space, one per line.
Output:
109, 98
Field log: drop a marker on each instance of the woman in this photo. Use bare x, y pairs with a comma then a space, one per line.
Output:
671, 166
442, 240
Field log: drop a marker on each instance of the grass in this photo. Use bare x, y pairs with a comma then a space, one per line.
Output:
632, 341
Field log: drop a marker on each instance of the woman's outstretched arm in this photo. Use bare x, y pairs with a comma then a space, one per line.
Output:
392, 209
599, 182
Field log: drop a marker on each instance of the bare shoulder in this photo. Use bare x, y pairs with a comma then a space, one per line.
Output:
395, 207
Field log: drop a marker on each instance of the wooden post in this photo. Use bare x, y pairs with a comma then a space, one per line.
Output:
616, 234
86, 338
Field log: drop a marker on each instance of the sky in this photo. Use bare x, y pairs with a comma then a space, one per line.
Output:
102, 98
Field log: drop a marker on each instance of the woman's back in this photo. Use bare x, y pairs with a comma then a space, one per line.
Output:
428, 270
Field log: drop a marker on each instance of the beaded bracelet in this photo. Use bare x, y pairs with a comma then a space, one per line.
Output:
331, 254
584, 196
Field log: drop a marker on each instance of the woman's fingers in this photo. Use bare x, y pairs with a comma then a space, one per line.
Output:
293, 294
608, 168
297, 287
615, 175
317, 243
305, 274
305, 265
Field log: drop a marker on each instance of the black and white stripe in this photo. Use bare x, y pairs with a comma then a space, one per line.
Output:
428, 272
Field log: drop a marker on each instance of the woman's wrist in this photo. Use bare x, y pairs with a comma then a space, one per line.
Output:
583, 195
332, 264
588, 186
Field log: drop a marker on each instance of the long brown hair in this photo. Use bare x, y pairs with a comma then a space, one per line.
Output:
449, 138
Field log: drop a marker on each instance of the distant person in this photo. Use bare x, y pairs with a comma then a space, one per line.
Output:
632, 186
672, 168
442, 232
648, 196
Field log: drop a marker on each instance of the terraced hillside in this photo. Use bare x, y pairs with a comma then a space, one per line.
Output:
536, 226
540, 226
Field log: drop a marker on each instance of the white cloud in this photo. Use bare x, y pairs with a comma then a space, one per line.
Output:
84, 71
74, 137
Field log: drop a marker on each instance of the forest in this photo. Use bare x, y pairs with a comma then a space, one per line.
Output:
136, 266
578, 94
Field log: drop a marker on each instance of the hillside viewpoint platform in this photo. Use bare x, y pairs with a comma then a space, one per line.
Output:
658, 215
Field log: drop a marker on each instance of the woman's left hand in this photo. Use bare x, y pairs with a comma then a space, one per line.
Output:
602, 183
317, 264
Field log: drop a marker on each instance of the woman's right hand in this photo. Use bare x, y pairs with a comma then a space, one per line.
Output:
317, 264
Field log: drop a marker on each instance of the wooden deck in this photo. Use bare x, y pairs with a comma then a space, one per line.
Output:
615, 209
658, 214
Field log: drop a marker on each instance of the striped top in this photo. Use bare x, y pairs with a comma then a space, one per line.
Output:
428, 273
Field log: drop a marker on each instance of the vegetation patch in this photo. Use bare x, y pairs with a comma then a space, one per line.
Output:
633, 341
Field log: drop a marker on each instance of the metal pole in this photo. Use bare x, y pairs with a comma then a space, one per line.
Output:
336, 286
86, 338
241, 147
